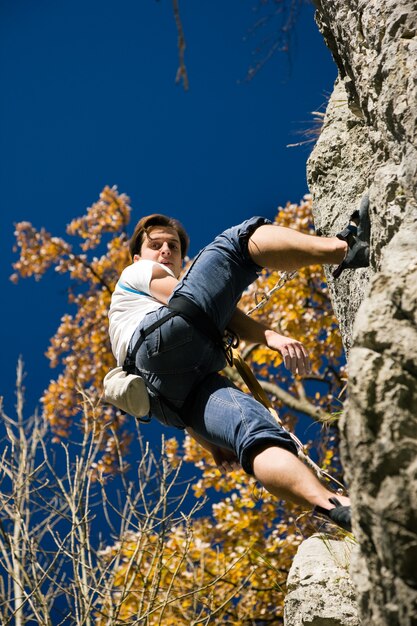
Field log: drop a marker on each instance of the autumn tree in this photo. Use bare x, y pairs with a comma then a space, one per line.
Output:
244, 549
81, 345
93, 262
230, 566
55, 522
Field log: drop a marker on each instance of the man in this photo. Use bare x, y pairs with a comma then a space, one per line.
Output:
168, 330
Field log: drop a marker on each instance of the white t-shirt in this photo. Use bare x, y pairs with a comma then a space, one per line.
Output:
130, 302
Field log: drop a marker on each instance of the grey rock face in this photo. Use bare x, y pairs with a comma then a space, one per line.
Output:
338, 172
369, 141
320, 591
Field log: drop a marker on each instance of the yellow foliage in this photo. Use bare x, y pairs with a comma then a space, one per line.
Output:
301, 309
81, 344
233, 564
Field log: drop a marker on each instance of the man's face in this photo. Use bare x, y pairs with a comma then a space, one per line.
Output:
162, 245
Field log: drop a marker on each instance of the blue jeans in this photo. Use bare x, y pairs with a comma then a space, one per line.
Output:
183, 365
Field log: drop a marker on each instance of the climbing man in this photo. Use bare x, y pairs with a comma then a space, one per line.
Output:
171, 332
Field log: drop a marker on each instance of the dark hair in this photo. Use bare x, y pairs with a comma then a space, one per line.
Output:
156, 219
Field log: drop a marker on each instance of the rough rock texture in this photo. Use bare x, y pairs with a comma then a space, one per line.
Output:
320, 591
369, 141
339, 170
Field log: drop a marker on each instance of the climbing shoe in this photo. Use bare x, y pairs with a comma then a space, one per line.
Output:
340, 515
357, 235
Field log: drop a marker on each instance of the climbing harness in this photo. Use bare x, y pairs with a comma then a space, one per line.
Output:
129, 365
179, 305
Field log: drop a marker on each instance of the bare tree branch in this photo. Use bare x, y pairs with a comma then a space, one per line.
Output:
302, 405
182, 70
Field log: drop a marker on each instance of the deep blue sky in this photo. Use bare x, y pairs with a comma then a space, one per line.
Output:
88, 98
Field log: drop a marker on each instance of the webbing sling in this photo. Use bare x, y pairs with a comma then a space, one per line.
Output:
254, 385
129, 365
259, 394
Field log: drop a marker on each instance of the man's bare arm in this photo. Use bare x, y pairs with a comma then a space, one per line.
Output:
162, 284
293, 352
248, 328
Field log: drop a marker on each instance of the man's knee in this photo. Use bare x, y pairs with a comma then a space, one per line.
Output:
263, 454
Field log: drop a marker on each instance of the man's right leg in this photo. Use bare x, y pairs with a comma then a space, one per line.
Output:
285, 249
224, 416
286, 477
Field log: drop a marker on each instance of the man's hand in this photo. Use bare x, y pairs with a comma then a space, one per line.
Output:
293, 352
295, 356
225, 459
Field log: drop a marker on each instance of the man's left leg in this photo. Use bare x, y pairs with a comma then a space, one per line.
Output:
285, 249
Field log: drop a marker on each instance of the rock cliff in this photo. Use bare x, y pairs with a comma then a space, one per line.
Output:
369, 142
319, 589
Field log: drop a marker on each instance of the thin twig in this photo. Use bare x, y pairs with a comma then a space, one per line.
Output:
182, 70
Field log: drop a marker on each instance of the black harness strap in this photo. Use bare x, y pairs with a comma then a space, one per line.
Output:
178, 305
129, 365
197, 317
